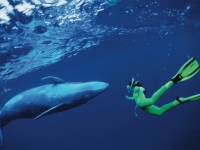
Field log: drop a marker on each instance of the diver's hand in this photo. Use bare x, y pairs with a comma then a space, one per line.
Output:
130, 98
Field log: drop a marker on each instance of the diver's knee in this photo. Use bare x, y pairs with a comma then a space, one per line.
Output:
168, 84
159, 113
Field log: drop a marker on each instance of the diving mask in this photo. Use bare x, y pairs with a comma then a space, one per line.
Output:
133, 84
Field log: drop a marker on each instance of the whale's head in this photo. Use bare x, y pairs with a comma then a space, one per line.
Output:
92, 89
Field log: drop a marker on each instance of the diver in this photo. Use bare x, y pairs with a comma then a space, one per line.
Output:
188, 70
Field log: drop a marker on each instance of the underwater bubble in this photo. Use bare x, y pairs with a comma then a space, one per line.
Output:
188, 7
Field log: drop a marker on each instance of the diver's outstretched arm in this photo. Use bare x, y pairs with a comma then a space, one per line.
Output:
130, 98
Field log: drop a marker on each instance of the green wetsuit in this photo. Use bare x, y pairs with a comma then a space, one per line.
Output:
188, 70
147, 104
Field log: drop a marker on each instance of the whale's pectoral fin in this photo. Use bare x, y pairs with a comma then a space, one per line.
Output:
52, 80
49, 111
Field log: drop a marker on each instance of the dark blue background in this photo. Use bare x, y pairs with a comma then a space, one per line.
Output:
108, 121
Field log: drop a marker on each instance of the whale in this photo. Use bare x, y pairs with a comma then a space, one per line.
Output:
54, 96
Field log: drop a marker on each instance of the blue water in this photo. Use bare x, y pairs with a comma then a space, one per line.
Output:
109, 41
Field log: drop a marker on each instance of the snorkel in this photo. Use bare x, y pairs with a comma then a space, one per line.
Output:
130, 85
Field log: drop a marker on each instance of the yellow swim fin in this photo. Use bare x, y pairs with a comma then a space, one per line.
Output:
188, 70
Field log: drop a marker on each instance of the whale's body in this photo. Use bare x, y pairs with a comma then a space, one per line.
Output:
47, 99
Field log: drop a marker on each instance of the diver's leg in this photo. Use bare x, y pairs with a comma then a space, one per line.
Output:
188, 70
160, 110
161, 91
154, 110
